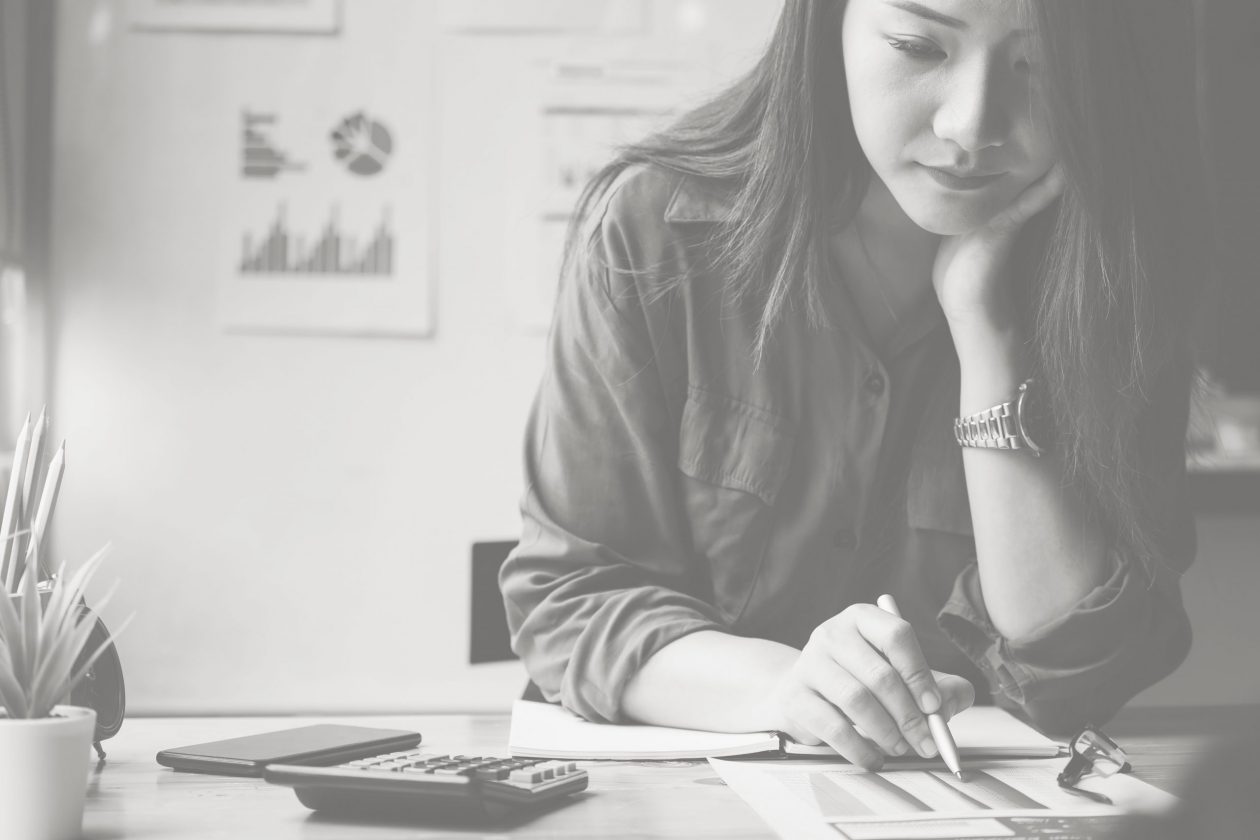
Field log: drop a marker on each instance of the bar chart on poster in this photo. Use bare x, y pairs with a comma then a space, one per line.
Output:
332, 251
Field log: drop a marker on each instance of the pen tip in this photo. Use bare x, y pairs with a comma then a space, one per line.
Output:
958, 773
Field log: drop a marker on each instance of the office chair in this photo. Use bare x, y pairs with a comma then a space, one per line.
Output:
489, 639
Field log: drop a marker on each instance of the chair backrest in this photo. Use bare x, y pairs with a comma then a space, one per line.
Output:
488, 639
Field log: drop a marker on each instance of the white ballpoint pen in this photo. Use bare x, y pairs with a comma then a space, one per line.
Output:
940, 731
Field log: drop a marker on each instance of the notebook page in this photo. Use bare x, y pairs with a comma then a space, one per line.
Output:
545, 730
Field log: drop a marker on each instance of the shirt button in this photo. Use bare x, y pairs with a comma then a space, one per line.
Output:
875, 384
845, 539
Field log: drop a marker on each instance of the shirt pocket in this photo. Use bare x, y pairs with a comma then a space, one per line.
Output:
734, 458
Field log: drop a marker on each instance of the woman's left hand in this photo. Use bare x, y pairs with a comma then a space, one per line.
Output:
968, 271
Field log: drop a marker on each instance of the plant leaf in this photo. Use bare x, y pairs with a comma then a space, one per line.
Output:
53, 609
11, 693
10, 565
11, 633
96, 654
56, 669
31, 613
75, 586
8, 523
10, 627
71, 592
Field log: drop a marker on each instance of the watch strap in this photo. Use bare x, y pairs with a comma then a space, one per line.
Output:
993, 428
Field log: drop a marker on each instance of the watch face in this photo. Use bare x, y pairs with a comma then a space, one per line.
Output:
1036, 422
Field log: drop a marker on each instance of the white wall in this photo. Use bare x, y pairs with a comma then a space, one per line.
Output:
291, 517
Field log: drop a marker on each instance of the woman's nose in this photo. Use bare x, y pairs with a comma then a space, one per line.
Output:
972, 112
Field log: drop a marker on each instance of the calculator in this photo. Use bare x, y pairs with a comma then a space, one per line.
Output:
416, 784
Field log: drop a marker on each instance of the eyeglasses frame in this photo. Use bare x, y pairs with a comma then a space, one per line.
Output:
1079, 765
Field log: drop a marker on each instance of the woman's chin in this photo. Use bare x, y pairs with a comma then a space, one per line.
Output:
948, 218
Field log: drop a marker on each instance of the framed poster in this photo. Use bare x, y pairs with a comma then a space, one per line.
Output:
522, 17
292, 16
325, 203
588, 105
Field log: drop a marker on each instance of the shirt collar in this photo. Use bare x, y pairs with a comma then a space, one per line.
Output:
710, 201
703, 201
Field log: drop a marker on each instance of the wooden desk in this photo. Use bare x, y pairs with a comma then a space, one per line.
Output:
132, 797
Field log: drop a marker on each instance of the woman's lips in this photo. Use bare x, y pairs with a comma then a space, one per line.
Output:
960, 182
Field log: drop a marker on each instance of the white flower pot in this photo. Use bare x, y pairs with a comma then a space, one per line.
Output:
44, 766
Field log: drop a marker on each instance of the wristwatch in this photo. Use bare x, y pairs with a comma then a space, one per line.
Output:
1019, 423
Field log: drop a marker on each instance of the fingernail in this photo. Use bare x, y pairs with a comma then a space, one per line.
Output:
901, 748
927, 748
930, 702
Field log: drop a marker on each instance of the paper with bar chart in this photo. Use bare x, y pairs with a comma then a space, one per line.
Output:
332, 251
1009, 798
324, 221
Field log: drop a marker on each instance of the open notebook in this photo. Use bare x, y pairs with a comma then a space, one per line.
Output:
544, 730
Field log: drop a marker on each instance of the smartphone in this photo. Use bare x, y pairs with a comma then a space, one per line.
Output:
314, 746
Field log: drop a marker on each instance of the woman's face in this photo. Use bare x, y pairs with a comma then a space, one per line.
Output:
945, 104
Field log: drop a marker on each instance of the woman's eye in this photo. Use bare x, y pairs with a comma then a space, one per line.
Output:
916, 49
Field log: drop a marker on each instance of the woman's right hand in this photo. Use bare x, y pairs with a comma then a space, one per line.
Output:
863, 669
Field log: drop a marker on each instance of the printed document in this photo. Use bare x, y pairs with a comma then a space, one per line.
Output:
999, 798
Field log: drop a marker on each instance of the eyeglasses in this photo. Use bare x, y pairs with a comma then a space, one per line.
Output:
1093, 753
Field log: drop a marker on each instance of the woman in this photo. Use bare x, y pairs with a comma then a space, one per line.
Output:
773, 314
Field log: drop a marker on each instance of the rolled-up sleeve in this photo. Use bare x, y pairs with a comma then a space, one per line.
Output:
1126, 634
603, 575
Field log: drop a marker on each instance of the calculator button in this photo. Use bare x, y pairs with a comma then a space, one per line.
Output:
529, 777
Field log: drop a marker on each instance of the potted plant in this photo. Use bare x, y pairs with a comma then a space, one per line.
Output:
45, 745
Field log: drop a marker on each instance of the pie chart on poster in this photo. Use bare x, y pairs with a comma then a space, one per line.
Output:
362, 144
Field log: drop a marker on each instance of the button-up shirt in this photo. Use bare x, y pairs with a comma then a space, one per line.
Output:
675, 485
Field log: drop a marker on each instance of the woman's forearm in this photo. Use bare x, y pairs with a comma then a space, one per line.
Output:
1037, 550
710, 680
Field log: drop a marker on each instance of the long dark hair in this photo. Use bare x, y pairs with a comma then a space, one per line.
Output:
1103, 275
